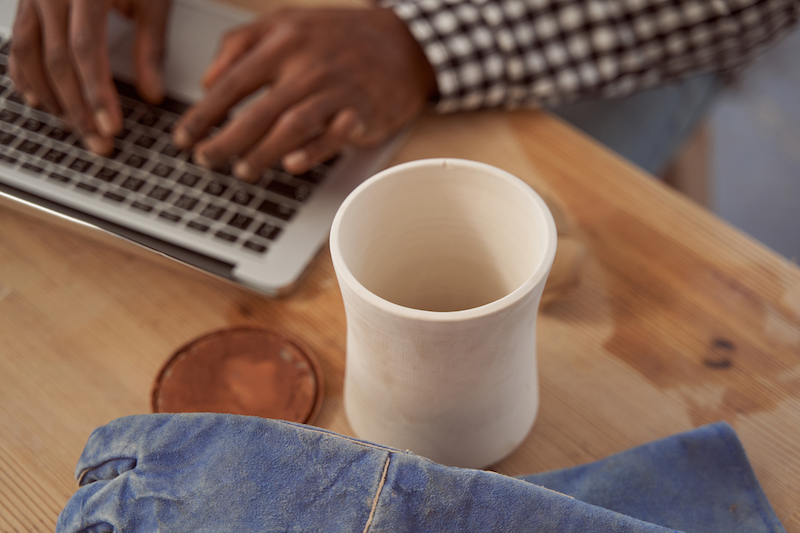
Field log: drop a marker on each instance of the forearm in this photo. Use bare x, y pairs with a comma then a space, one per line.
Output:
514, 53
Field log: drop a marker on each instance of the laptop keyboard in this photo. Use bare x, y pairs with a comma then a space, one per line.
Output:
146, 176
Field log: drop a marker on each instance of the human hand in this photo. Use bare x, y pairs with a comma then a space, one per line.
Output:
334, 77
59, 59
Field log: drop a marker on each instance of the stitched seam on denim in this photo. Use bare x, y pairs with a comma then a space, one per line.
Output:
378, 493
757, 501
356, 441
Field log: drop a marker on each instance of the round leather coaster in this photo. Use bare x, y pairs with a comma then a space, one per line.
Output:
244, 371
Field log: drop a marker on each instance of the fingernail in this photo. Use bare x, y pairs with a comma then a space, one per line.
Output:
243, 170
297, 160
182, 138
358, 130
31, 99
104, 123
95, 144
202, 160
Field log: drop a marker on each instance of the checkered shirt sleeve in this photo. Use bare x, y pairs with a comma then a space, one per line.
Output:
511, 53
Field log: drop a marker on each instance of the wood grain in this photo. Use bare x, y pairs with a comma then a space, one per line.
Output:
678, 320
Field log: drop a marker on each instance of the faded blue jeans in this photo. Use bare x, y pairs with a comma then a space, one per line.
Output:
213, 472
648, 127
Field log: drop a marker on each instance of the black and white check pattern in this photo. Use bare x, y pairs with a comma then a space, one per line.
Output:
511, 53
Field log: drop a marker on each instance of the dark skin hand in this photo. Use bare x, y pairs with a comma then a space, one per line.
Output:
59, 60
333, 77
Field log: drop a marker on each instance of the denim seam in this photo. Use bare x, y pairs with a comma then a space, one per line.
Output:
355, 441
754, 496
378, 493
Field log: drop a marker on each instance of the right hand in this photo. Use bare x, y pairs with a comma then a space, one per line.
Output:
59, 60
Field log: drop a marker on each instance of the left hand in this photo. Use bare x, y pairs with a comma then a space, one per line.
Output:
334, 77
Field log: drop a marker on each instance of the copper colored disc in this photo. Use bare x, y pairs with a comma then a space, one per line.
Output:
244, 371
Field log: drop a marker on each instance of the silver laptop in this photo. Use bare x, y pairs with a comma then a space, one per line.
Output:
262, 235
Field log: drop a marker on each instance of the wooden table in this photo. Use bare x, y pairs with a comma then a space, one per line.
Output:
679, 320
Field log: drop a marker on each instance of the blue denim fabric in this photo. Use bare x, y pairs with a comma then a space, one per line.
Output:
647, 127
217, 472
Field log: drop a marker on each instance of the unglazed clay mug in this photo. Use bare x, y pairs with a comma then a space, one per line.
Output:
441, 264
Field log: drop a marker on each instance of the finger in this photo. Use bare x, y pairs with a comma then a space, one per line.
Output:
345, 126
256, 69
90, 50
26, 61
149, 46
21, 83
64, 78
234, 45
245, 130
294, 127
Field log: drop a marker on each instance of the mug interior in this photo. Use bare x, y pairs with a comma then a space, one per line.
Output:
447, 236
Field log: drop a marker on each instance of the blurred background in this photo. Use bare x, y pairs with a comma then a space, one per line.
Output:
754, 149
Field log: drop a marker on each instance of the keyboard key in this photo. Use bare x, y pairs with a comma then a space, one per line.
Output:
115, 152
9, 116
255, 246
145, 141
29, 147
240, 221
216, 188
135, 161
86, 187
107, 174
16, 98
162, 170
80, 165
6, 48
2, 69
188, 179
212, 211
282, 211
133, 183
242, 197
54, 156
59, 134
315, 175
127, 111
33, 125
268, 231
299, 193
159, 193
33, 168
198, 226
186, 202
59, 177
8, 158
114, 196
172, 217
149, 119
225, 236
171, 151
142, 207
123, 133
7, 138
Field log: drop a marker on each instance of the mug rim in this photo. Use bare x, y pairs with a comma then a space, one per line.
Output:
542, 269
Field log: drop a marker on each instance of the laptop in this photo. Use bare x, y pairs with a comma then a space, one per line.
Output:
261, 235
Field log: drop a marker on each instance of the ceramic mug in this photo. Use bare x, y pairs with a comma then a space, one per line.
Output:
441, 264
